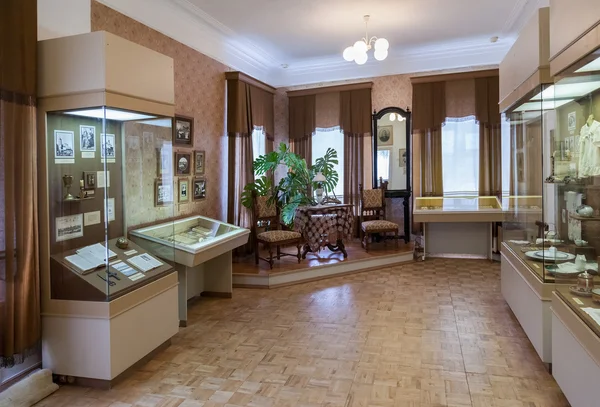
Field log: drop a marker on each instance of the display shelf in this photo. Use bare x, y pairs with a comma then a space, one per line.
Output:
585, 218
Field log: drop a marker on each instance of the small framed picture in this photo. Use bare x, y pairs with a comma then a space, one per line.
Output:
107, 146
183, 163
87, 138
199, 162
89, 180
199, 189
402, 157
183, 131
572, 122
164, 159
163, 193
184, 190
385, 136
64, 144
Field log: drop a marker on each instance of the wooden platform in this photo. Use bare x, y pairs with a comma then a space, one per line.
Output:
324, 264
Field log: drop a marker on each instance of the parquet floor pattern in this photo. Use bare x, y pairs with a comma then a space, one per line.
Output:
427, 334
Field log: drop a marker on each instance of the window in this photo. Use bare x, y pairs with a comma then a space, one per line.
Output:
460, 157
330, 138
258, 142
383, 163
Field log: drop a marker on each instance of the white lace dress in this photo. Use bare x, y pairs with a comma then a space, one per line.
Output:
589, 150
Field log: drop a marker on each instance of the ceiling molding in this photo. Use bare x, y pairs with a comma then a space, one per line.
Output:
190, 25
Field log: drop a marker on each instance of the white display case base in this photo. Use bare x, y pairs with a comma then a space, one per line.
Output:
473, 240
530, 304
576, 366
94, 349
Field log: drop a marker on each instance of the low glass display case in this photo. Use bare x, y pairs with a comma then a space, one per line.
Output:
107, 170
186, 241
436, 208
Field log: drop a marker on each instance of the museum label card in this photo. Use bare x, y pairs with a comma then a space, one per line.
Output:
136, 276
130, 252
109, 205
102, 181
91, 218
69, 227
88, 154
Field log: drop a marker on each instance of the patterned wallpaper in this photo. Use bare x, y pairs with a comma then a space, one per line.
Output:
199, 92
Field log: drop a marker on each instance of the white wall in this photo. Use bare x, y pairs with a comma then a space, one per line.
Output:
397, 174
61, 18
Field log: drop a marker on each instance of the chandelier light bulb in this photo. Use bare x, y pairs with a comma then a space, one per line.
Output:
381, 54
392, 117
382, 44
349, 54
401, 118
361, 58
360, 47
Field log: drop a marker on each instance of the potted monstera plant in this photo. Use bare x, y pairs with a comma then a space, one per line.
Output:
296, 188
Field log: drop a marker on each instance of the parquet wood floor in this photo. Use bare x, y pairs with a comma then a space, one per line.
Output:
427, 334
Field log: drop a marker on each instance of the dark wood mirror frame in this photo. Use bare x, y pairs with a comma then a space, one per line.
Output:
396, 193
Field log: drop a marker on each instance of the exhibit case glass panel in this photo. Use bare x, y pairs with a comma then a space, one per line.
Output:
107, 171
552, 155
457, 204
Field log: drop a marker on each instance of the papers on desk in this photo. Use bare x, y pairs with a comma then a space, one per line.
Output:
124, 268
144, 262
90, 257
594, 313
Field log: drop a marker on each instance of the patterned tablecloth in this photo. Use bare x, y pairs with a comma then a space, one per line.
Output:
313, 221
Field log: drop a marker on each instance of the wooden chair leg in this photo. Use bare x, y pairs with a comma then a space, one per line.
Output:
367, 235
271, 256
396, 238
278, 252
384, 238
256, 248
299, 246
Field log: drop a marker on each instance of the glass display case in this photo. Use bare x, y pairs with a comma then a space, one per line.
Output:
184, 240
474, 205
555, 152
107, 171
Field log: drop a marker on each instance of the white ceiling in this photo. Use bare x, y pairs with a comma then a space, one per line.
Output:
259, 37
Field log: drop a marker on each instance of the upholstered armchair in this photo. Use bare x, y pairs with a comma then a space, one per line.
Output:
266, 214
372, 215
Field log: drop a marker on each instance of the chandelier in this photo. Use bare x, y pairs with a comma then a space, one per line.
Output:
358, 52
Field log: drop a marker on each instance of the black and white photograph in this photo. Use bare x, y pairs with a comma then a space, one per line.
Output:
87, 138
385, 136
199, 189
64, 142
69, 227
198, 162
89, 179
402, 156
108, 146
183, 131
184, 188
163, 193
183, 163
572, 122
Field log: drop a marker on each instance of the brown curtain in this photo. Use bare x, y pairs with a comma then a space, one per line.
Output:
429, 113
487, 95
247, 107
355, 121
19, 256
302, 110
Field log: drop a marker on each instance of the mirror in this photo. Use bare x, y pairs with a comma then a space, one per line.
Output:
391, 150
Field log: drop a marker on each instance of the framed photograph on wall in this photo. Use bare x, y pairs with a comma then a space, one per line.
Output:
572, 122
107, 146
183, 163
183, 131
87, 138
184, 190
199, 189
385, 136
402, 157
64, 144
163, 193
199, 162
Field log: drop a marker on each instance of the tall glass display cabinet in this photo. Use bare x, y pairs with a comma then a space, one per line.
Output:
105, 164
575, 180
